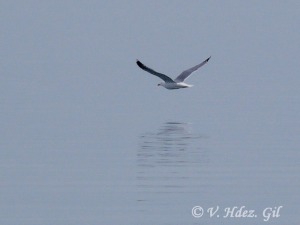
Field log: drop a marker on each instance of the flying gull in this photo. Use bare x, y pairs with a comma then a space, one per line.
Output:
178, 81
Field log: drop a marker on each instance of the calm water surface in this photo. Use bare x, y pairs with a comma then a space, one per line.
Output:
154, 176
178, 168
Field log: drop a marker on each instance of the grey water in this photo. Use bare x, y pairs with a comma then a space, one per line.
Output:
155, 178
177, 170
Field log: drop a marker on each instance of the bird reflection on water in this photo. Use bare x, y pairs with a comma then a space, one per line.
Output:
173, 144
167, 156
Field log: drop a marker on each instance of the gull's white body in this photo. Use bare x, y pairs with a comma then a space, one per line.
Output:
170, 83
174, 85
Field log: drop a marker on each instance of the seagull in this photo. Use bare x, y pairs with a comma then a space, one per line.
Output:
178, 81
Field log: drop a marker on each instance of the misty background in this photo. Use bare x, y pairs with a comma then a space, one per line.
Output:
88, 137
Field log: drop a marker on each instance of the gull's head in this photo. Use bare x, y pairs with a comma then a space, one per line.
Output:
160, 84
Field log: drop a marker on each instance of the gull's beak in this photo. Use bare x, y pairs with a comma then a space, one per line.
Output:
158, 85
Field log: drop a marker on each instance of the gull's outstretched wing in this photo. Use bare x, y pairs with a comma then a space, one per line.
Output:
160, 75
188, 72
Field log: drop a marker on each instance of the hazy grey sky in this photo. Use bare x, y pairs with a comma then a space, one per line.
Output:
68, 60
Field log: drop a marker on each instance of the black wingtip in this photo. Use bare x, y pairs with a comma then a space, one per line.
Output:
208, 58
139, 64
